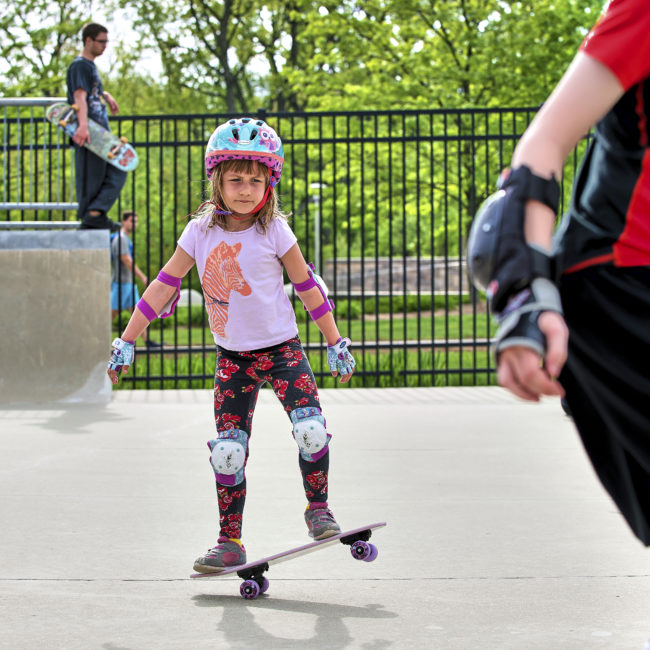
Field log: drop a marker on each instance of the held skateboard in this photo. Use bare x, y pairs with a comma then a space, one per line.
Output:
103, 143
252, 573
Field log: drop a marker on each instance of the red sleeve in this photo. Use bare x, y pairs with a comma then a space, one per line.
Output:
620, 40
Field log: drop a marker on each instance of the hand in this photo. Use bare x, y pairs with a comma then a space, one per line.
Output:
112, 104
121, 359
81, 135
520, 368
340, 360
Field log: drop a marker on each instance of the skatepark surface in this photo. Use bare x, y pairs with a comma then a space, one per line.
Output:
498, 533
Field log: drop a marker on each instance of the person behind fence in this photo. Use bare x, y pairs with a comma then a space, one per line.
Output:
574, 309
240, 242
98, 184
124, 290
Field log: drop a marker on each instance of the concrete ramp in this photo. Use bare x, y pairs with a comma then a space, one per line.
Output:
54, 316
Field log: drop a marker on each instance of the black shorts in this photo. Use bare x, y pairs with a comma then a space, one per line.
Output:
607, 381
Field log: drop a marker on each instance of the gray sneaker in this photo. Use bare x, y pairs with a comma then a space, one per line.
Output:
320, 521
225, 554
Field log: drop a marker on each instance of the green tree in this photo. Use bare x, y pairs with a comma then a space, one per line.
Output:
203, 46
439, 53
234, 52
37, 40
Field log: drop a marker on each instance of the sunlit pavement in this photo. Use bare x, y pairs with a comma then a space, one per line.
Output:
499, 535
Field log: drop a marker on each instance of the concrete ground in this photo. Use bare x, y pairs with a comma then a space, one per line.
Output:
499, 535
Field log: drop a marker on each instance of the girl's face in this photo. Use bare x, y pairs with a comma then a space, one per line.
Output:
242, 191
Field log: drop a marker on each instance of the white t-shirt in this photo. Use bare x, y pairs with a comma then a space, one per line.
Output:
242, 282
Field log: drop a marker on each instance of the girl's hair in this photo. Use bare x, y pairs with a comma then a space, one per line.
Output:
210, 210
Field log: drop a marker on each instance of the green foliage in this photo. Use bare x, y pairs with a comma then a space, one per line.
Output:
398, 368
37, 41
237, 55
383, 54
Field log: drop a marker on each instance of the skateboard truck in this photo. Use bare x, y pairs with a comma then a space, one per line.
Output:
359, 547
64, 120
255, 582
117, 148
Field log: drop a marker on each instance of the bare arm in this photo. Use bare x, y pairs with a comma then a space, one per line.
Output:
156, 295
140, 274
112, 104
586, 92
127, 261
296, 267
81, 136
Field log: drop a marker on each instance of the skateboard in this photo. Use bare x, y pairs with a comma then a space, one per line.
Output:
103, 143
252, 573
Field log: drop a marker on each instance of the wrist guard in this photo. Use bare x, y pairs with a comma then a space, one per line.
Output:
499, 259
339, 357
122, 354
518, 321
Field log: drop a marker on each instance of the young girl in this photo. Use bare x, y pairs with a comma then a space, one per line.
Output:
240, 242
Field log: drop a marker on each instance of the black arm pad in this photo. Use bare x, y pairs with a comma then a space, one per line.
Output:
500, 261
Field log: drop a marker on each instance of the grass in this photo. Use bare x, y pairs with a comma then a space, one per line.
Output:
413, 327
424, 365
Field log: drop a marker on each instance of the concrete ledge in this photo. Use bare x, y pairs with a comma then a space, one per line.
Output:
54, 239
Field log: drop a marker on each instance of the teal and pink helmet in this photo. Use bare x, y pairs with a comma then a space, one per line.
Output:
246, 138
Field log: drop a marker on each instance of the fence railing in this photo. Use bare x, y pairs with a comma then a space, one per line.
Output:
382, 202
37, 173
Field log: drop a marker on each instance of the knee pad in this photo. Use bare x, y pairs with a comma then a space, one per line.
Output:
228, 457
310, 433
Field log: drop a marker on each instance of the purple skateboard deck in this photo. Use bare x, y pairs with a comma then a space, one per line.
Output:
255, 582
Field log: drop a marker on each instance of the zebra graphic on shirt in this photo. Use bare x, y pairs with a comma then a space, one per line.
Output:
222, 275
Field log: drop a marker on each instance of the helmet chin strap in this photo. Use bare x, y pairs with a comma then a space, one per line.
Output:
265, 198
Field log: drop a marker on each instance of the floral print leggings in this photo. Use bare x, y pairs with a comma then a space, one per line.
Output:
238, 379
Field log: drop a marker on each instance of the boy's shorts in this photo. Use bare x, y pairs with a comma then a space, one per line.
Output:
124, 295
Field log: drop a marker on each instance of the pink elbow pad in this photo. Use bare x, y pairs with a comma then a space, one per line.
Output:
170, 281
314, 280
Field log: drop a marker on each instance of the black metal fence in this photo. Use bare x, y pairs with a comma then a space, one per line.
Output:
381, 201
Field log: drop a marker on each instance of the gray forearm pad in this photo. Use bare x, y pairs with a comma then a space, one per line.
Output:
518, 323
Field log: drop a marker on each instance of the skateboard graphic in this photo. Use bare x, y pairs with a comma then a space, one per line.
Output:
252, 573
114, 150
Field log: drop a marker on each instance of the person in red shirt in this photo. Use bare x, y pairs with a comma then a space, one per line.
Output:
574, 304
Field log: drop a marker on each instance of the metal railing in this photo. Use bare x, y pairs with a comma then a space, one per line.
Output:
37, 174
381, 201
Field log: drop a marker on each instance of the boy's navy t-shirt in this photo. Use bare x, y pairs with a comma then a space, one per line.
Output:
83, 73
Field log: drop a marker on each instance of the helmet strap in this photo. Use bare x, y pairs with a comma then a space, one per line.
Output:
265, 198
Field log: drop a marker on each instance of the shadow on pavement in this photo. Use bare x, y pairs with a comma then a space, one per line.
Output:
242, 629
